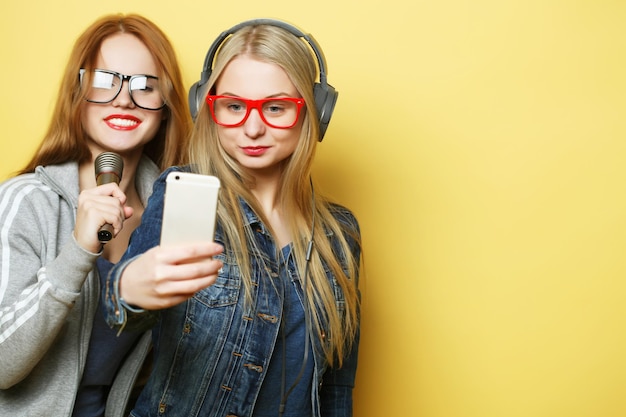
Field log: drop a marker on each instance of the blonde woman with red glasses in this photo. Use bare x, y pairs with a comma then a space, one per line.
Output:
261, 319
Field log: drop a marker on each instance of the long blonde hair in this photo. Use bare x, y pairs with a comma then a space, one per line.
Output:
334, 325
66, 140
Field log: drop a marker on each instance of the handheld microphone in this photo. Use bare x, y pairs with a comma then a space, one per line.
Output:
108, 168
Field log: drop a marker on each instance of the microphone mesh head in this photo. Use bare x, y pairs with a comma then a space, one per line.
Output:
109, 162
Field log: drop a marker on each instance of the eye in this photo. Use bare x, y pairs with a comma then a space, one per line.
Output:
104, 80
236, 106
274, 107
143, 84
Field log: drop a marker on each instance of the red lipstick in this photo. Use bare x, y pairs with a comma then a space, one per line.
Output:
122, 121
255, 150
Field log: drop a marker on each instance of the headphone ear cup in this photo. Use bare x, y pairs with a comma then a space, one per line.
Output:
325, 98
193, 100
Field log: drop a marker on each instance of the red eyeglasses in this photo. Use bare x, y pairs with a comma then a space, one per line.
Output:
229, 111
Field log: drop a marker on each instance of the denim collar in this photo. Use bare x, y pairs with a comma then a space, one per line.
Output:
250, 218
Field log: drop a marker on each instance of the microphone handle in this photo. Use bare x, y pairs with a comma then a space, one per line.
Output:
106, 232
107, 177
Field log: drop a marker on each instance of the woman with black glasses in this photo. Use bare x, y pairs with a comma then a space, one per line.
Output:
121, 96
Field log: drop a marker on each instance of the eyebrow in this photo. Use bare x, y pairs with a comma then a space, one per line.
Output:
276, 95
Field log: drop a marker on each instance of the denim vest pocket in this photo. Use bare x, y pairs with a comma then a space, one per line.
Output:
225, 290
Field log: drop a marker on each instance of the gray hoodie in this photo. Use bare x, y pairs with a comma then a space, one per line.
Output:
49, 291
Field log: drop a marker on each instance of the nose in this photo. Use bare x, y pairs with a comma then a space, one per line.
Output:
123, 98
254, 126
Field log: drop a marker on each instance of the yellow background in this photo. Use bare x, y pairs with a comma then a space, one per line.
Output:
482, 146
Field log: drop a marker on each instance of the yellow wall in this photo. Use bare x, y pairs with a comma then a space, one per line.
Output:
482, 145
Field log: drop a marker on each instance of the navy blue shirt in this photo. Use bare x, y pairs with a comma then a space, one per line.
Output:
106, 353
298, 402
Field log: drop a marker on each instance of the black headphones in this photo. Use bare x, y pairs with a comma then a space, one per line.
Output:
324, 94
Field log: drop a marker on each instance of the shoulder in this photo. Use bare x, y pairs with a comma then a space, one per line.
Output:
20, 181
177, 168
19, 187
344, 216
147, 173
158, 186
25, 201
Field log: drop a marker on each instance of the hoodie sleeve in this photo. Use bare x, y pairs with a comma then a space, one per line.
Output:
42, 272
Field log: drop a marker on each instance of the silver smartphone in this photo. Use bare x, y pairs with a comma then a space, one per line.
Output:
189, 211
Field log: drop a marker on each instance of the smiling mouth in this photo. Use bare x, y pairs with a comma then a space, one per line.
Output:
122, 122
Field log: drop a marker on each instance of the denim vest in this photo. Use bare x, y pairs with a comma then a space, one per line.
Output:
211, 352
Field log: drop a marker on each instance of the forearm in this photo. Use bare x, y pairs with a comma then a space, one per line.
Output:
118, 313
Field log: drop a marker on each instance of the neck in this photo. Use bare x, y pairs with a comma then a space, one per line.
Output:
266, 193
267, 196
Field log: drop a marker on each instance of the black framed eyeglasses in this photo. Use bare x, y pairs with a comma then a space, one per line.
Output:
106, 86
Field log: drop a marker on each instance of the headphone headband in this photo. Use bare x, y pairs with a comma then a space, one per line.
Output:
324, 94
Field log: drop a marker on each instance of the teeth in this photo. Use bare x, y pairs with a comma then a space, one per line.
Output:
122, 122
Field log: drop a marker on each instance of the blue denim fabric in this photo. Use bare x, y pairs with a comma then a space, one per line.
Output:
211, 352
